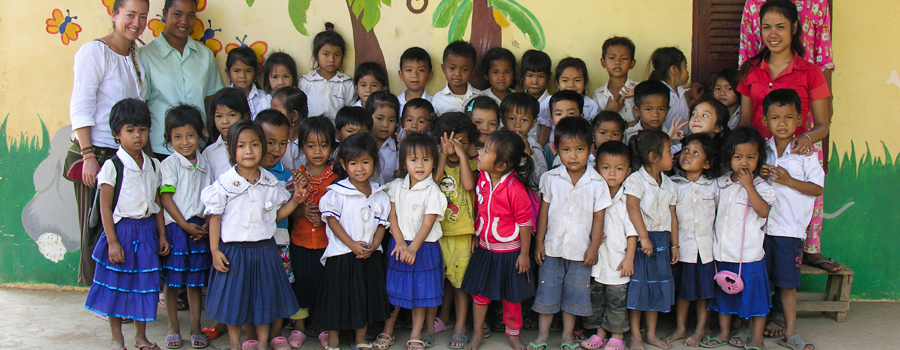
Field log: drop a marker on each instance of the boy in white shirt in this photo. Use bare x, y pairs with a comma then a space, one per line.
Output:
617, 95
651, 106
459, 61
415, 72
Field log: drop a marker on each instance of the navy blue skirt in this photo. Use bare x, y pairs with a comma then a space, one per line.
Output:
494, 276
754, 300
254, 290
420, 284
353, 293
189, 261
129, 289
695, 281
652, 287
308, 269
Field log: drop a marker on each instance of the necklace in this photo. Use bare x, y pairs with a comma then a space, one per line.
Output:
252, 181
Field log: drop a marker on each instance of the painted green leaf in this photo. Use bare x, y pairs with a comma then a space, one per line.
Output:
368, 12
297, 11
250, 3
460, 21
444, 13
386, 2
523, 19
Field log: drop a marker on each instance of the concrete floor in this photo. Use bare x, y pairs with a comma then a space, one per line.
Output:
44, 319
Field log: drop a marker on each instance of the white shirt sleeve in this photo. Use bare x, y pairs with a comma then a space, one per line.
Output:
107, 174
89, 69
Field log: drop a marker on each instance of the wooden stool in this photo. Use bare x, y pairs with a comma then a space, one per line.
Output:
835, 302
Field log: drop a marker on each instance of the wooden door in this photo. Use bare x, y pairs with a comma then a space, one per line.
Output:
716, 38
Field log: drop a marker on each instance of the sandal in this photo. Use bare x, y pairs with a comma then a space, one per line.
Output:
330, 348
173, 341
567, 346
579, 336
296, 339
614, 344
323, 339
415, 344
428, 339
383, 341
280, 343
147, 346
212, 333
199, 341
361, 346
539, 346
820, 263
486, 331
459, 339
744, 335
709, 339
795, 342
249, 345
594, 342
439, 325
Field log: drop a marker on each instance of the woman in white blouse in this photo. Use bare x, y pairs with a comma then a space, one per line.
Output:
106, 70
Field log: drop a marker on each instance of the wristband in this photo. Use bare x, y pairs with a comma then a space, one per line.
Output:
88, 156
807, 136
87, 150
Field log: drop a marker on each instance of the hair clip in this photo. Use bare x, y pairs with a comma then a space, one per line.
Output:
470, 106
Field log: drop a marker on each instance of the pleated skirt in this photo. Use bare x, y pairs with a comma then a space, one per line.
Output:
420, 284
308, 270
754, 300
652, 287
494, 276
189, 261
695, 281
352, 294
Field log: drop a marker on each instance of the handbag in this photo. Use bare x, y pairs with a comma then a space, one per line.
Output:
73, 164
730, 282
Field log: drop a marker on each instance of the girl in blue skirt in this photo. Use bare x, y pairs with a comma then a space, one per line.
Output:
248, 285
126, 281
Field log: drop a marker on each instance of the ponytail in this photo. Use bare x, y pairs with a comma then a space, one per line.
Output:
662, 60
644, 143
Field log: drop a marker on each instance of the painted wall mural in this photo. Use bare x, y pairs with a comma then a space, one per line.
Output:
63, 25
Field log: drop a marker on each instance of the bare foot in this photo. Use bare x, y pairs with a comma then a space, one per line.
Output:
761, 345
477, 339
774, 328
636, 344
694, 340
659, 343
117, 345
676, 336
516, 343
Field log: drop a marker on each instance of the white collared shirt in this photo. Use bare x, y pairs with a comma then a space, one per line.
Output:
696, 212
326, 97
591, 162
678, 108
258, 100
412, 204
590, 111
617, 227
487, 92
735, 118
793, 210
248, 210
571, 211
403, 100
655, 199
537, 156
636, 128
217, 155
732, 207
137, 197
293, 158
387, 162
602, 96
446, 101
188, 180
357, 214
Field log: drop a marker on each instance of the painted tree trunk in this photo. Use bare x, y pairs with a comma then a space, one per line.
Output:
485, 36
365, 43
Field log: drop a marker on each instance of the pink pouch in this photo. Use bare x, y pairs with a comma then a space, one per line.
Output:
730, 282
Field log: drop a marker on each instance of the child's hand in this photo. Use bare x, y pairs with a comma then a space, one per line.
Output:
446, 146
676, 133
163, 246
627, 268
313, 215
765, 170
646, 247
300, 179
528, 149
219, 261
523, 263
590, 257
194, 230
745, 177
675, 255
359, 248
116, 254
802, 145
781, 176
615, 104
408, 255
401, 134
300, 194
457, 147
539, 254
398, 248
627, 91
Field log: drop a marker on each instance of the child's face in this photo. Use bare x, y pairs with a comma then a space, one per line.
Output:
571, 79
613, 169
563, 109
618, 61
366, 86
179, 19
652, 111
417, 120
280, 76
684, 76
133, 137
385, 123
693, 158
359, 170
415, 74
463, 138
607, 131
185, 140
746, 156
457, 70
486, 121
225, 117
329, 59
248, 151
703, 120
666, 159
276, 144
242, 75
535, 83
317, 149
500, 75
782, 121
519, 121
487, 157
419, 165
573, 153
349, 130
724, 93
776, 31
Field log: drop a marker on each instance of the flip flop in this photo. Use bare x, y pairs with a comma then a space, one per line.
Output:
361, 346
147, 346
830, 261
173, 339
212, 333
199, 341
719, 342
296, 339
280, 343
439, 325
795, 342
614, 344
323, 339
415, 344
579, 335
567, 346
744, 334
538, 346
383, 341
428, 339
249, 345
458, 338
486, 331
594, 342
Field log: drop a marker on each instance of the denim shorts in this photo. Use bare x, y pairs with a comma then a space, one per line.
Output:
563, 285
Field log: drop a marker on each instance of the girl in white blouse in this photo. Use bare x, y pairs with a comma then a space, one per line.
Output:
327, 88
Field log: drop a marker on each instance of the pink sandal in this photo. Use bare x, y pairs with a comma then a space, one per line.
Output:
614, 344
296, 339
280, 343
594, 342
323, 339
439, 325
249, 345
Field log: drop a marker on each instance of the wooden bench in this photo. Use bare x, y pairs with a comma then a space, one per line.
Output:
835, 302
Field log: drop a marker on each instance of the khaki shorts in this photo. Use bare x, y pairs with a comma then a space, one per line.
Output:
457, 251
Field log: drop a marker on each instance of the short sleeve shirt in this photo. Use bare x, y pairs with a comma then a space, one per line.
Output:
696, 212
357, 214
617, 227
571, 211
188, 180
413, 203
248, 210
326, 97
304, 234
140, 185
655, 199
602, 96
793, 210
446, 101
732, 208
459, 216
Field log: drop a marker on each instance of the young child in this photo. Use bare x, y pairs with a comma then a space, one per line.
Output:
570, 229
226, 108
356, 210
615, 266
797, 181
384, 108
499, 69
184, 174
248, 285
415, 72
710, 117
670, 68
458, 63
535, 74
499, 268
242, 67
455, 174
415, 273
696, 212
563, 104
418, 116
350, 121
292, 102
519, 111
368, 78
617, 95
725, 90
485, 113
308, 239
126, 281
744, 203
650, 199
571, 74
607, 126
651, 105
279, 71
327, 88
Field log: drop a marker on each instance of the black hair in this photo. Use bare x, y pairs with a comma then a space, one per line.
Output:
169, 3
278, 58
614, 148
316, 126
376, 70
327, 37
707, 144
497, 54
294, 100
233, 98
782, 97
788, 9
572, 62
351, 115
353, 147
415, 143
567, 95
510, 151
272, 117
184, 115
520, 101
483, 102
731, 76
618, 41
417, 54
722, 115
535, 61
382, 99
741, 135
609, 116
455, 122
644, 143
244, 55
129, 111
235, 131
650, 88
419, 103
663, 59
577, 128
461, 48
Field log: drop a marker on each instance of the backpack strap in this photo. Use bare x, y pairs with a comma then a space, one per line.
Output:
120, 169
